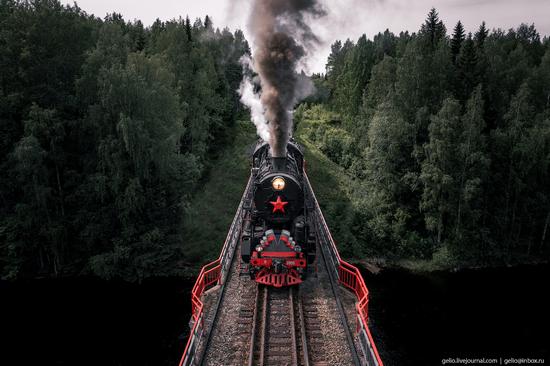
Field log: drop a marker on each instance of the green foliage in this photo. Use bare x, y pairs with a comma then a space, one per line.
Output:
332, 186
438, 167
433, 30
323, 129
472, 174
521, 148
107, 128
386, 186
355, 74
452, 174
448, 146
210, 212
380, 85
458, 38
467, 70
121, 154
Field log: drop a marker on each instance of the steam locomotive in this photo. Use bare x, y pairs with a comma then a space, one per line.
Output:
277, 241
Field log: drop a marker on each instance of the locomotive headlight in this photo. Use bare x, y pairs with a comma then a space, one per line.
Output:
259, 248
278, 184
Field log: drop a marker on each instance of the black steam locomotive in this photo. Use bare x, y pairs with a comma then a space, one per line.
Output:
277, 239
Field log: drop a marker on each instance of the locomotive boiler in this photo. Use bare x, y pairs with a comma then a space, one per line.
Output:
277, 241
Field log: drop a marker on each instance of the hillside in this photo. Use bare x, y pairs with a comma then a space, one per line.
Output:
211, 211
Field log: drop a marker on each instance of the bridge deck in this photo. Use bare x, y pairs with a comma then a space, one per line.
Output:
231, 334
236, 322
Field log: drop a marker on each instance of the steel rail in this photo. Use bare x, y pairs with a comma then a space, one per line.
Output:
293, 327
303, 335
339, 271
254, 328
263, 327
260, 341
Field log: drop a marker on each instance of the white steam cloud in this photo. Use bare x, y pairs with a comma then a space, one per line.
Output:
252, 100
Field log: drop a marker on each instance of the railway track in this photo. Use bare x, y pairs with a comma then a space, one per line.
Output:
278, 334
280, 326
245, 323
301, 325
313, 334
286, 329
283, 326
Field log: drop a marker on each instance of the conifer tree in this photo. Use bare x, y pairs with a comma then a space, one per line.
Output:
188, 28
457, 39
354, 77
467, 69
433, 28
481, 35
333, 58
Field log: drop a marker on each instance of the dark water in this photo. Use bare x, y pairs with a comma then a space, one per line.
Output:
422, 319
416, 319
93, 322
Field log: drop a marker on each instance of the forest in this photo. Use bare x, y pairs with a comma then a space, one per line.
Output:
106, 129
109, 129
446, 139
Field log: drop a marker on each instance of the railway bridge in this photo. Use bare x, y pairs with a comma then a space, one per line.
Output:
321, 322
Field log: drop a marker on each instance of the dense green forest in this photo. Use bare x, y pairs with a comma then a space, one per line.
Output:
107, 129
123, 147
446, 140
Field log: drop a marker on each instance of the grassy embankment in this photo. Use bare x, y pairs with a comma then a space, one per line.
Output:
331, 185
212, 209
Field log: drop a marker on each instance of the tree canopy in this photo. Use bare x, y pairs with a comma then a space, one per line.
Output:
106, 129
449, 141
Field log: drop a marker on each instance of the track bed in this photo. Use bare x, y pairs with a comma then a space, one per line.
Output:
257, 325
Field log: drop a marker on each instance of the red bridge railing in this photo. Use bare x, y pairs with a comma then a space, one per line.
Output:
349, 276
211, 274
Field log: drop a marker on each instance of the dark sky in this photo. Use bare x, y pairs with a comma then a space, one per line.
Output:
346, 18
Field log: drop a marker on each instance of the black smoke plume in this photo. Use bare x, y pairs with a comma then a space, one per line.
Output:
281, 37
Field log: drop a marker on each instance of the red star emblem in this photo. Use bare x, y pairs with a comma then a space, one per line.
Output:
279, 205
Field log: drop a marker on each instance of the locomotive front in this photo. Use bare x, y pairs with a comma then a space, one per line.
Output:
276, 240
